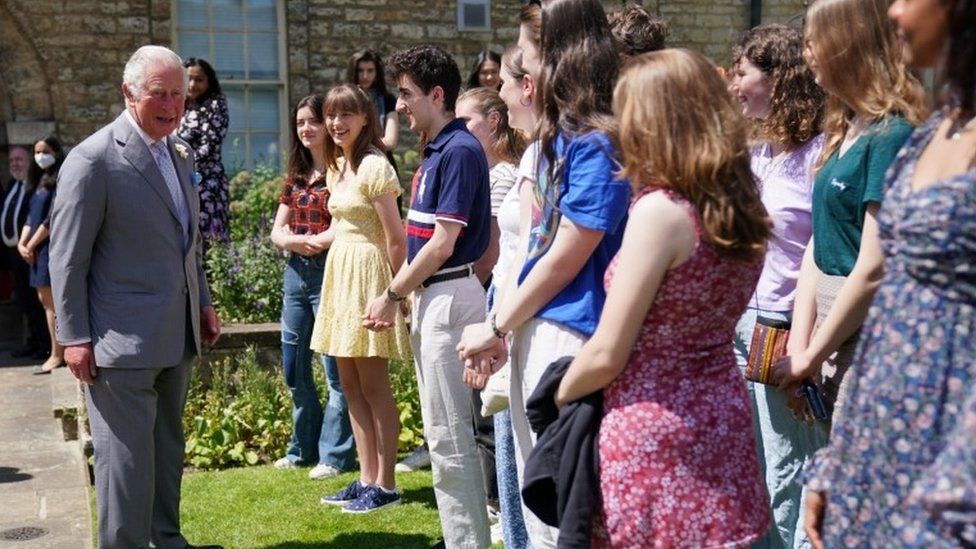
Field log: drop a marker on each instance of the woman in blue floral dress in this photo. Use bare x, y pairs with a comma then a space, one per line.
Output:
204, 127
900, 469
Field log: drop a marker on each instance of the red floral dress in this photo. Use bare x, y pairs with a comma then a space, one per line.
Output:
678, 465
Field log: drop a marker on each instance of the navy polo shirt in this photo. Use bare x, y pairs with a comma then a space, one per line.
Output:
452, 185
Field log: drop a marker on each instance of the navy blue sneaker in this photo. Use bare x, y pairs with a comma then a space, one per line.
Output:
346, 495
371, 499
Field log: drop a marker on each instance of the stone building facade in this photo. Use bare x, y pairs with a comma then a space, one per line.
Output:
61, 60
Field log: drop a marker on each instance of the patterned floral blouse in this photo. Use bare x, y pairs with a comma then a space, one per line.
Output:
204, 127
308, 206
900, 469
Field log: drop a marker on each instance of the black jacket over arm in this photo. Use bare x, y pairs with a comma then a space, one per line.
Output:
561, 481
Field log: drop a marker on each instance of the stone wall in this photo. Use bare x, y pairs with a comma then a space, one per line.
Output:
62, 59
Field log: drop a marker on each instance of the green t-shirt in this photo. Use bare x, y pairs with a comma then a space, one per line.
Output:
844, 186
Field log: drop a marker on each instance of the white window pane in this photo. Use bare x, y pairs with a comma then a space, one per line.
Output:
262, 52
229, 55
263, 107
265, 150
228, 14
235, 152
194, 44
193, 14
235, 108
262, 15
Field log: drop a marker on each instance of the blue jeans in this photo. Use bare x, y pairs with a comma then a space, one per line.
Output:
317, 436
509, 497
783, 443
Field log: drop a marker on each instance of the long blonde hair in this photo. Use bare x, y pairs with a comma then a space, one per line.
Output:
508, 144
859, 58
680, 130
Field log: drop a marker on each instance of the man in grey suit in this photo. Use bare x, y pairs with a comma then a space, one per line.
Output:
132, 302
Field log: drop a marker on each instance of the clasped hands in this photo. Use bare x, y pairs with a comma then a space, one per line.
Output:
789, 374
305, 244
483, 354
381, 312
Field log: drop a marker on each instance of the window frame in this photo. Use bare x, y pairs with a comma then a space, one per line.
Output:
460, 15
281, 83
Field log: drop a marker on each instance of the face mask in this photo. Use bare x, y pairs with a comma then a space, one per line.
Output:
44, 160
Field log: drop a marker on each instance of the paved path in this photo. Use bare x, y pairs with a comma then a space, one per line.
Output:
43, 481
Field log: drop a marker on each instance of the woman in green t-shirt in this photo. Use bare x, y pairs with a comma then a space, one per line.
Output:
873, 104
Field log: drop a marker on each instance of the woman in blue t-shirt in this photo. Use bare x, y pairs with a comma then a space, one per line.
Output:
870, 113
578, 214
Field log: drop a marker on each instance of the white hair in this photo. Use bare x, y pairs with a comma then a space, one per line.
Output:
145, 58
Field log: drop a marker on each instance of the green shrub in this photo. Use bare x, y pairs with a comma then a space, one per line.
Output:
239, 415
246, 277
403, 378
253, 202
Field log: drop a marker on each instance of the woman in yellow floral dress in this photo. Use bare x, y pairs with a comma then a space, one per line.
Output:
368, 245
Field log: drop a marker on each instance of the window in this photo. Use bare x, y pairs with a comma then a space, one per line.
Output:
474, 15
244, 41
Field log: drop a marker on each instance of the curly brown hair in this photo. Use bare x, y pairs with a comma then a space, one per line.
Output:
796, 103
637, 31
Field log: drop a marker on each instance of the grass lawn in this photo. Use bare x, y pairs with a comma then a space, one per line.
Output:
264, 507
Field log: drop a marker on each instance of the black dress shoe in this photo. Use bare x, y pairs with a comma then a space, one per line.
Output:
24, 351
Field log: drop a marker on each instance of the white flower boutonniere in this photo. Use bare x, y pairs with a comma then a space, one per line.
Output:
181, 150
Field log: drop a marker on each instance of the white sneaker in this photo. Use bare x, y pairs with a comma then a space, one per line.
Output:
323, 470
284, 463
419, 459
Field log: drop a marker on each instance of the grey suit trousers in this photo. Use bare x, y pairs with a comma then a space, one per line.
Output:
137, 431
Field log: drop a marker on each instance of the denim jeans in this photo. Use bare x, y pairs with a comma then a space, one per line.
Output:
509, 497
318, 436
783, 443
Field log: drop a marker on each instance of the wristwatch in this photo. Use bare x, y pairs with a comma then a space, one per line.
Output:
494, 327
393, 296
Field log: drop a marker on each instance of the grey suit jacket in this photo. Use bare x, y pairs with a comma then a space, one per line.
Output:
119, 273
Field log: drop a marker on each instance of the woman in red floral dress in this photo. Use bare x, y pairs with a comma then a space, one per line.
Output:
678, 464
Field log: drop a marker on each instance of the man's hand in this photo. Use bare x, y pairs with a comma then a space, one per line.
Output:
380, 314
81, 362
209, 326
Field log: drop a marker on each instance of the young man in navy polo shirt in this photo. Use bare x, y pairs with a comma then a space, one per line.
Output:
447, 230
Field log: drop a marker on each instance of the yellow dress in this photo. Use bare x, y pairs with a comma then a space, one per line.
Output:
357, 268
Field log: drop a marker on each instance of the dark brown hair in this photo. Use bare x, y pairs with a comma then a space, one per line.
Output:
579, 67
531, 16
508, 143
300, 162
429, 66
352, 70
637, 31
349, 98
796, 102
960, 65
680, 129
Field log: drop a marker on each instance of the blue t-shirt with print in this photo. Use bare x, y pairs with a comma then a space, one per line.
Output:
592, 197
451, 184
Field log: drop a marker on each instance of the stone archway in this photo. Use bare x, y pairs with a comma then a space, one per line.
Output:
26, 108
